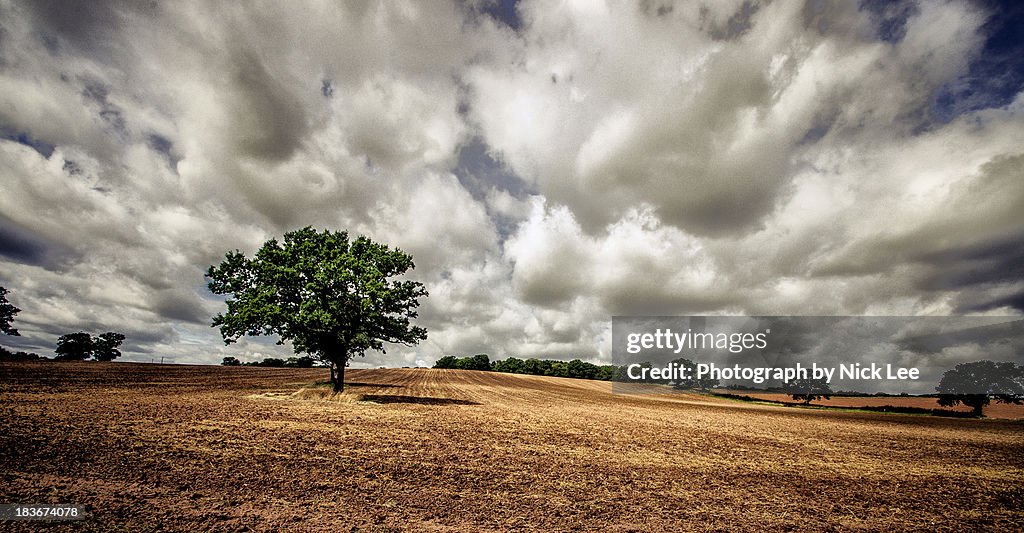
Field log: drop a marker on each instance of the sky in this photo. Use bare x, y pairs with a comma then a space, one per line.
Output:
548, 165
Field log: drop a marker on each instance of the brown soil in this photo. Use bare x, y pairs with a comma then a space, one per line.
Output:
184, 448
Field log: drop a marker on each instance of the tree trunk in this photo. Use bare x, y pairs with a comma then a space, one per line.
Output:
333, 378
339, 382
978, 409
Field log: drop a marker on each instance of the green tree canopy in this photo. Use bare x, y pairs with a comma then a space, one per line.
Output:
7, 312
975, 384
580, 369
480, 361
330, 297
537, 367
448, 361
512, 365
540, 367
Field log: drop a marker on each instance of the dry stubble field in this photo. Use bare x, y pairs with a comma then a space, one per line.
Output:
150, 447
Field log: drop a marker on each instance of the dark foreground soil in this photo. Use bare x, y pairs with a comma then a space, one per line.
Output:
193, 448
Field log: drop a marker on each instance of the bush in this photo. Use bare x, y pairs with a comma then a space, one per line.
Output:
6, 355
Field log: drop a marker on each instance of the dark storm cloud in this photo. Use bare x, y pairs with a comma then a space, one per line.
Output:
180, 305
22, 245
272, 121
997, 261
1014, 301
935, 335
82, 25
640, 298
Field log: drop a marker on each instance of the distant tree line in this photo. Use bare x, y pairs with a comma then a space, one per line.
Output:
273, 362
7, 355
79, 346
576, 368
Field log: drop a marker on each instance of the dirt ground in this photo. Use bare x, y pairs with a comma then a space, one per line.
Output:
186, 448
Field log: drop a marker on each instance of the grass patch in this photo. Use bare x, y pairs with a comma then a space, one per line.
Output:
324, 394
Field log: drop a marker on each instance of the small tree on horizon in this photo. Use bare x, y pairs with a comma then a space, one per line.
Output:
104, 346
809, 390
332, 297
74, 347
81, 346
976, 384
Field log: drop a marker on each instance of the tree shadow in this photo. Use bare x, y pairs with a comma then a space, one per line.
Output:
422, 400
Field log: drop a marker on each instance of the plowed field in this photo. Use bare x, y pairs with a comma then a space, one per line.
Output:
151, 447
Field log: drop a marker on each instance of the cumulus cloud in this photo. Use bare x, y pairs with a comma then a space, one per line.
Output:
548, 166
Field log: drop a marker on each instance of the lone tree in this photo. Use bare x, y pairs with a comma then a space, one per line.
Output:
7, 312
808, 390
331, 297
975, 384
